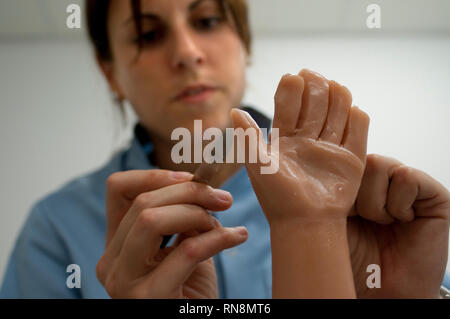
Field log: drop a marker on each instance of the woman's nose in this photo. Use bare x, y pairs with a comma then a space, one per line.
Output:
186, 53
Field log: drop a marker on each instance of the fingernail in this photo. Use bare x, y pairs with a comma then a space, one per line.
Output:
246, 117
249, 119
215, 222
222, 195
241, 230
181, 175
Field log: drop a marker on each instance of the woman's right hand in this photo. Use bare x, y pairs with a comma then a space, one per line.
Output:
142, 207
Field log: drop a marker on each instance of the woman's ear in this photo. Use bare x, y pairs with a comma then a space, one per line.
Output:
108, 71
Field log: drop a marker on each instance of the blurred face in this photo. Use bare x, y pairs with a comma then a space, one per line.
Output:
191, 65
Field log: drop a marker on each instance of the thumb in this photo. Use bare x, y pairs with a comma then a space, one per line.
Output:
257, 154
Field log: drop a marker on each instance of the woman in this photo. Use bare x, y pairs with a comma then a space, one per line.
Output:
176, 61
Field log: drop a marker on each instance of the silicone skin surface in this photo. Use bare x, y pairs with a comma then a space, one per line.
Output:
321, 176
321, 154
322, 148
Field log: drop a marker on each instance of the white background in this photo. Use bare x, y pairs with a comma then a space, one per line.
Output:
57, 119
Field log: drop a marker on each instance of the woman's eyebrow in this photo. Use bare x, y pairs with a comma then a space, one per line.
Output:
152, 16
195, 4
149, 16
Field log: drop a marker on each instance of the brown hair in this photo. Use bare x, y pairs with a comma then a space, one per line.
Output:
97, 16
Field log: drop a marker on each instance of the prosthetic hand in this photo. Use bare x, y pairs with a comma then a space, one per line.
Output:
321, 154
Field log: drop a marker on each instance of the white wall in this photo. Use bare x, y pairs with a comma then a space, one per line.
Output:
56, 120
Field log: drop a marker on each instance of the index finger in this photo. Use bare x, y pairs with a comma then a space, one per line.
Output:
123, 187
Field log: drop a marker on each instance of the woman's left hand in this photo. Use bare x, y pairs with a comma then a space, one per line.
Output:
402, 225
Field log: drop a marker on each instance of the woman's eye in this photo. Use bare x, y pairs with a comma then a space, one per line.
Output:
207, 23
150, 37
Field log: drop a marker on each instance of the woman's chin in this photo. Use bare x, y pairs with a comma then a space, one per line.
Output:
206, 121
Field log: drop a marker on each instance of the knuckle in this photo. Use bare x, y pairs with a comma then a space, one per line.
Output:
149, 218
114, 180
100, 269
111, 288
194, 190
403, 174
140, 292
117, 286
226, 236
157, 174
199, 213
377, 164
142, 201
191, 249
373, 162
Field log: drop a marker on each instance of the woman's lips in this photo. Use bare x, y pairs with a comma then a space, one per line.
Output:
196, 94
